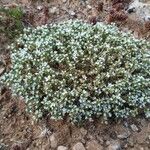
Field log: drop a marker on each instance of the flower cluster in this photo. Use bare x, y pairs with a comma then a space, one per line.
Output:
81, 71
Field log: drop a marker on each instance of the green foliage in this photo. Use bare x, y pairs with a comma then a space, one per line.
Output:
82, 71
13, 12
11, 21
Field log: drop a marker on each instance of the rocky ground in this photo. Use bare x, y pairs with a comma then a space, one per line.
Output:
17, 129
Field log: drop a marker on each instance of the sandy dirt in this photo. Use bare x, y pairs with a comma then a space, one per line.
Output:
17, 129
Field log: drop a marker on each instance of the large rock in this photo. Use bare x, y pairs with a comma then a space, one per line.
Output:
139, 10
93, 145
78, 146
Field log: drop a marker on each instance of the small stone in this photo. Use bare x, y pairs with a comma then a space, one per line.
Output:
147, 18
21, 145
64, 1
125, 124
83, 140
72, 13
113, 135
83, 131
131, 10
143, 122
78, 146
134, 128
44, 133
136, 34
47, 146
89, 7
114, 146
131, 141
16, 146
124, 135
2, 70
39, 7
93, 145
1, 62
107, 143
100, 139
53, 10
53, 141
89, 136
126, 145
62, 148
149, 137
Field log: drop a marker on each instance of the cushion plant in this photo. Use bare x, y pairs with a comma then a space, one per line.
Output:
80, 70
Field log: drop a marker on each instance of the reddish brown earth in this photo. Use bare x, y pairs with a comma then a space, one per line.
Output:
17, 129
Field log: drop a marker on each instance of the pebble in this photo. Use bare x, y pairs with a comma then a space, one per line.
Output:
62, 148
107, 143
100, 139
134, 128
2, 70
44, 133
46, 147
53, 10
89, 136
39, 7
53, 141
64, 1
114, 146
78, 146
83, 131
124, 135
93, 145
147, 18
89, 7
125, 124
72, 13
113, 135
149, 137
131, 141
83, 140
16, 146
1, 62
